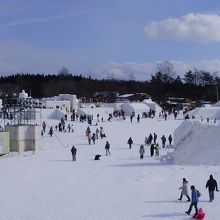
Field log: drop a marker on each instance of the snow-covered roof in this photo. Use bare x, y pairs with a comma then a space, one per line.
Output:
125, 95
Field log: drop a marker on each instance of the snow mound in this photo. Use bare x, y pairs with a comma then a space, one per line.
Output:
55, 114
197, 143
205, 112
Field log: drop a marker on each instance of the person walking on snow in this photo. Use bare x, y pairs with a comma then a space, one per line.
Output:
170, 139
155, 138
107, 148
152, 150
138, 118
97, 133
157, 149
184, 190
51, 131
93, 138
163, 141
73, 150
89, 137
194, 200
141, 152
130, 142
212, 186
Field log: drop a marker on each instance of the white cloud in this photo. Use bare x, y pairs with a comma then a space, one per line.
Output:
190, 27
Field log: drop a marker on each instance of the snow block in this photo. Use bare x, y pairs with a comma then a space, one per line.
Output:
197, 143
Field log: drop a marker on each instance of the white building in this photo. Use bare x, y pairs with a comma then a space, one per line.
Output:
72, 98
137, 108
64, 102
1, 103
23, 95
62, 105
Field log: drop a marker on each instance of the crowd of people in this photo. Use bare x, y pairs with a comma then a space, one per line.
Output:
211, 185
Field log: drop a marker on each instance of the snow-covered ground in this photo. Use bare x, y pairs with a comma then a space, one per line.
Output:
48, 185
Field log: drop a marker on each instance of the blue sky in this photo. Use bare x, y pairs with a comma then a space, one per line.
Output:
114, 38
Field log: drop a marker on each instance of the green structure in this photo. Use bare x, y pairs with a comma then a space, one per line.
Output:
4, 142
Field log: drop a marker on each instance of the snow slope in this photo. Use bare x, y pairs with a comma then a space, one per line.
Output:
205, 112
48, 185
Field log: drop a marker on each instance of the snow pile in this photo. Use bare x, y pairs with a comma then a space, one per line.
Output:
205, 112
197, 143
55, 114
102, 111
137, 108
153, 106
217, 104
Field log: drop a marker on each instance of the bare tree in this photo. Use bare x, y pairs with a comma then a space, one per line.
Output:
64, 71
166, 68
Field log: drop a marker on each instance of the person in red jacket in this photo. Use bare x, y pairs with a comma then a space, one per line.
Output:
200, 215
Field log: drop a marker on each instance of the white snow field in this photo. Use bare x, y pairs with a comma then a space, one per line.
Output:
48, 185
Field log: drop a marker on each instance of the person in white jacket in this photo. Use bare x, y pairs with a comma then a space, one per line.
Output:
184, 190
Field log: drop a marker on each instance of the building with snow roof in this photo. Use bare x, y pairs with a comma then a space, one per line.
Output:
66, 102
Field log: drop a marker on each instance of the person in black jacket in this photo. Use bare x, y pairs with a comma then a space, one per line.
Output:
170, 139
73, 150
152, 150
212, 186
130, 142
107, 148
163, 141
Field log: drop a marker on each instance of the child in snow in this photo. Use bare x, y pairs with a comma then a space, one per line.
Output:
200, 215
97, 157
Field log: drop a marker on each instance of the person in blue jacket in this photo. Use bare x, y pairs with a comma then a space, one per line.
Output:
194, 200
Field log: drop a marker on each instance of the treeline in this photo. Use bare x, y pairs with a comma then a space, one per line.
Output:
197, 85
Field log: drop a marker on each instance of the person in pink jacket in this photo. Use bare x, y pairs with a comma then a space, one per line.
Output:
200, 215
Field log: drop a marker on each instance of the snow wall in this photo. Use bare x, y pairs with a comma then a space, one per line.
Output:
205, 112
197, 143
55, 114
